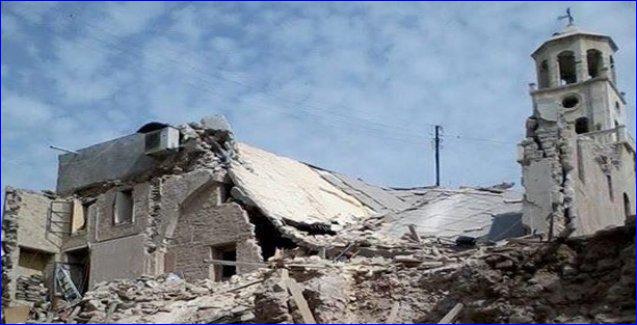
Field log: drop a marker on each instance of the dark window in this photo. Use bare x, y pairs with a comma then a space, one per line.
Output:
595, 63
581, 125
609, 180
612, 69
566, 62
33, 259
627, 207
570, 101
227, 253
123, 212
544, 74
86, 208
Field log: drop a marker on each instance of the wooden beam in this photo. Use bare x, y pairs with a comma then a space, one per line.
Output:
452, 314
233, 263
245, 285
344, 251
297, 294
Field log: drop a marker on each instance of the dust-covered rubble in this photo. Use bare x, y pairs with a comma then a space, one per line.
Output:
524, 280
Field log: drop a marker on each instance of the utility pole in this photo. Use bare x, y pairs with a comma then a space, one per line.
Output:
438, 131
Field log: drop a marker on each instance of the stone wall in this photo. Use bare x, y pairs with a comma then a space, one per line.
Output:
546, 177
599, 206
203, 224
121, 258
24, 227
106, 229
567, 177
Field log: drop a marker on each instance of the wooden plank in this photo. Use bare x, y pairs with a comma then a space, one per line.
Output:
393, 314
344, 251
452, 314
233, 263
245, 285
414, 233
297, 294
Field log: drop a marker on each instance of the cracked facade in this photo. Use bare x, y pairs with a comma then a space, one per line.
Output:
578, 160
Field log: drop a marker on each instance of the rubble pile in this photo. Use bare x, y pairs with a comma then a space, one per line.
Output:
31, 288
583, 280
170, 299
523, 280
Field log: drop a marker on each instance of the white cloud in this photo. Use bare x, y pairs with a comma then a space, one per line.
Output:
23, 112
32, 12
127, 18
348, 86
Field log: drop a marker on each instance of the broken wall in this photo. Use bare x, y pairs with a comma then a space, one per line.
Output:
118, 159
205, 223
28, 247
588, 178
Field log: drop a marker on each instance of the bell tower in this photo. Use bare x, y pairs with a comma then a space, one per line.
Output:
576, 77
578, 160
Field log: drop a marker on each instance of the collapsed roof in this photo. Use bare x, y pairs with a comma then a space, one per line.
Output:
309, 204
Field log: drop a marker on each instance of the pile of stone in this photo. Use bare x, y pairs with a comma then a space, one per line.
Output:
31, 288
170, 299
524, 280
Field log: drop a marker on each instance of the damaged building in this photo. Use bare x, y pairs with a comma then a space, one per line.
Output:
578, 159
188, 224
175, 199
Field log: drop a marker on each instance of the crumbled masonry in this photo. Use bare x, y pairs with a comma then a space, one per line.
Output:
582, 280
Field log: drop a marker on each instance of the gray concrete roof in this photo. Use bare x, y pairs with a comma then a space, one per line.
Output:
292, 193
452, 213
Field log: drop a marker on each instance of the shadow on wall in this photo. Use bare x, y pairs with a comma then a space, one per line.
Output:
506, 225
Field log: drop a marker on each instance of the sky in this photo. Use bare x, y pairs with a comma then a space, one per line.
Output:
351, 87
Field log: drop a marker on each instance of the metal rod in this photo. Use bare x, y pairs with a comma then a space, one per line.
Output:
437, 148
63, 150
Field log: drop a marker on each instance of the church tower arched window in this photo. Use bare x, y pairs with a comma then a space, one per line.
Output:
566, 63
595, 63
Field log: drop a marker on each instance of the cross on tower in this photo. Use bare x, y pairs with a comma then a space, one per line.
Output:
568, 16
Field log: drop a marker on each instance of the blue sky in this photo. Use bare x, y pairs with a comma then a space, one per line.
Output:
352, 87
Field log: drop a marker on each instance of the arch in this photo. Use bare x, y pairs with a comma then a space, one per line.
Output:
627, 207
543, 74
581, 125
566, 62
595, 63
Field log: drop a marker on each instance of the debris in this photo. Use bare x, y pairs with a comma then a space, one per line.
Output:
451, 316
299, 300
